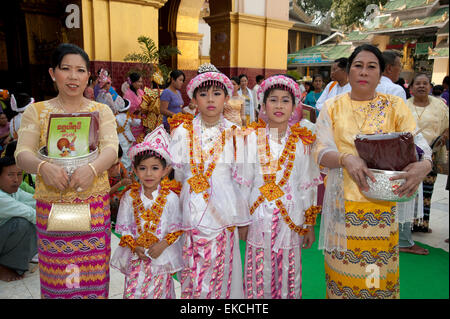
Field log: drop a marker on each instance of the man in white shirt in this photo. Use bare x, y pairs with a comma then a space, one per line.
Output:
339, 82
18, 240
391, 75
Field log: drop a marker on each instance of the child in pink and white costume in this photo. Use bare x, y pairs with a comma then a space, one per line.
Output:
283, 179
210, 197
149, 215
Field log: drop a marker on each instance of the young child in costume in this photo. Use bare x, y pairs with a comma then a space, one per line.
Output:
148, 220
203, 154
126, 138
118, 179
283, 179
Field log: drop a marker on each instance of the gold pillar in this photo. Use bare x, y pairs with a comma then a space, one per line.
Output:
188, 44
248, 41
187, 34
111, 27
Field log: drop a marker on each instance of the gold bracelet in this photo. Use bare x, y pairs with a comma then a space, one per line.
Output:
39, 167
341, 158
93, 169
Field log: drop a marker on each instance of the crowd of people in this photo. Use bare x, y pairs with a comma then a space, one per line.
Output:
183, 183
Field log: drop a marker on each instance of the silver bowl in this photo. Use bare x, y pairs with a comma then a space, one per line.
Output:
70, 164
383, 188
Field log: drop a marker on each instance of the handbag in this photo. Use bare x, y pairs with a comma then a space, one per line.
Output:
440, 157
387, 151
69, 217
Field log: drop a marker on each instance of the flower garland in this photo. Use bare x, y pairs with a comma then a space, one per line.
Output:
199, 180
272, 191
121, 129
151, 217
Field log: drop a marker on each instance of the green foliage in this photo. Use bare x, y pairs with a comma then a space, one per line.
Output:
314, 7
294, 74
151, 56
344, 13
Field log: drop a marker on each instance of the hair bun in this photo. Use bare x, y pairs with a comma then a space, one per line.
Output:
207, 67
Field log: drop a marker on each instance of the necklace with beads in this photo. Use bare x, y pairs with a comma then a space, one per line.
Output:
151, 216
199, 181
374, 111
209, 125
271, 190
61, 106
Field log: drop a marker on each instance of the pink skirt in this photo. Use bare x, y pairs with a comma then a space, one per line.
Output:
75, 264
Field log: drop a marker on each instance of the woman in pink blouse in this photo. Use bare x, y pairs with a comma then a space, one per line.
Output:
134, 95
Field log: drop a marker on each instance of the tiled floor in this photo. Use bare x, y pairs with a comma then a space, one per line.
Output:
28, 288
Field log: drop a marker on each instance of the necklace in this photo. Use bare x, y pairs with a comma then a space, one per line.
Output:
209, 125
279, 136
271, 190
199, 181
423, 110
151, 218
315, 96
374, 112
61, 106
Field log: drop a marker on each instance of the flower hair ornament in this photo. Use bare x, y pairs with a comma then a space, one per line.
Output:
18, 109
207, 67
209, 76
103, 78
281, 82
155, 142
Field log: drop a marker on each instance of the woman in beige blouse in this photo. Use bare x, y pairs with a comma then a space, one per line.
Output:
71, 264
431, 115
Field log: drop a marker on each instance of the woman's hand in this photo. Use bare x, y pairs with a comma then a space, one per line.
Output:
415, 174
309, 238
140, 251
358, 171
82, 178
156, 250
54, 175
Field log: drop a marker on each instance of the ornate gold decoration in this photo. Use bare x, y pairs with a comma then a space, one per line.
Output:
417, 22
443, 18
152, 218
397, 23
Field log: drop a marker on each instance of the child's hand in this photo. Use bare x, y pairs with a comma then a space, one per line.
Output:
140, 251
156, 250
309, 238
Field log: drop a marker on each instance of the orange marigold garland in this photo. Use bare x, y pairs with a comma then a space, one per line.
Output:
151, 217
199, 180
121, 129
179, 119
273, 191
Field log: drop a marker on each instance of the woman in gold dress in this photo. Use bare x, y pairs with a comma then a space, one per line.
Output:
72, 264
234, 110
359, 235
